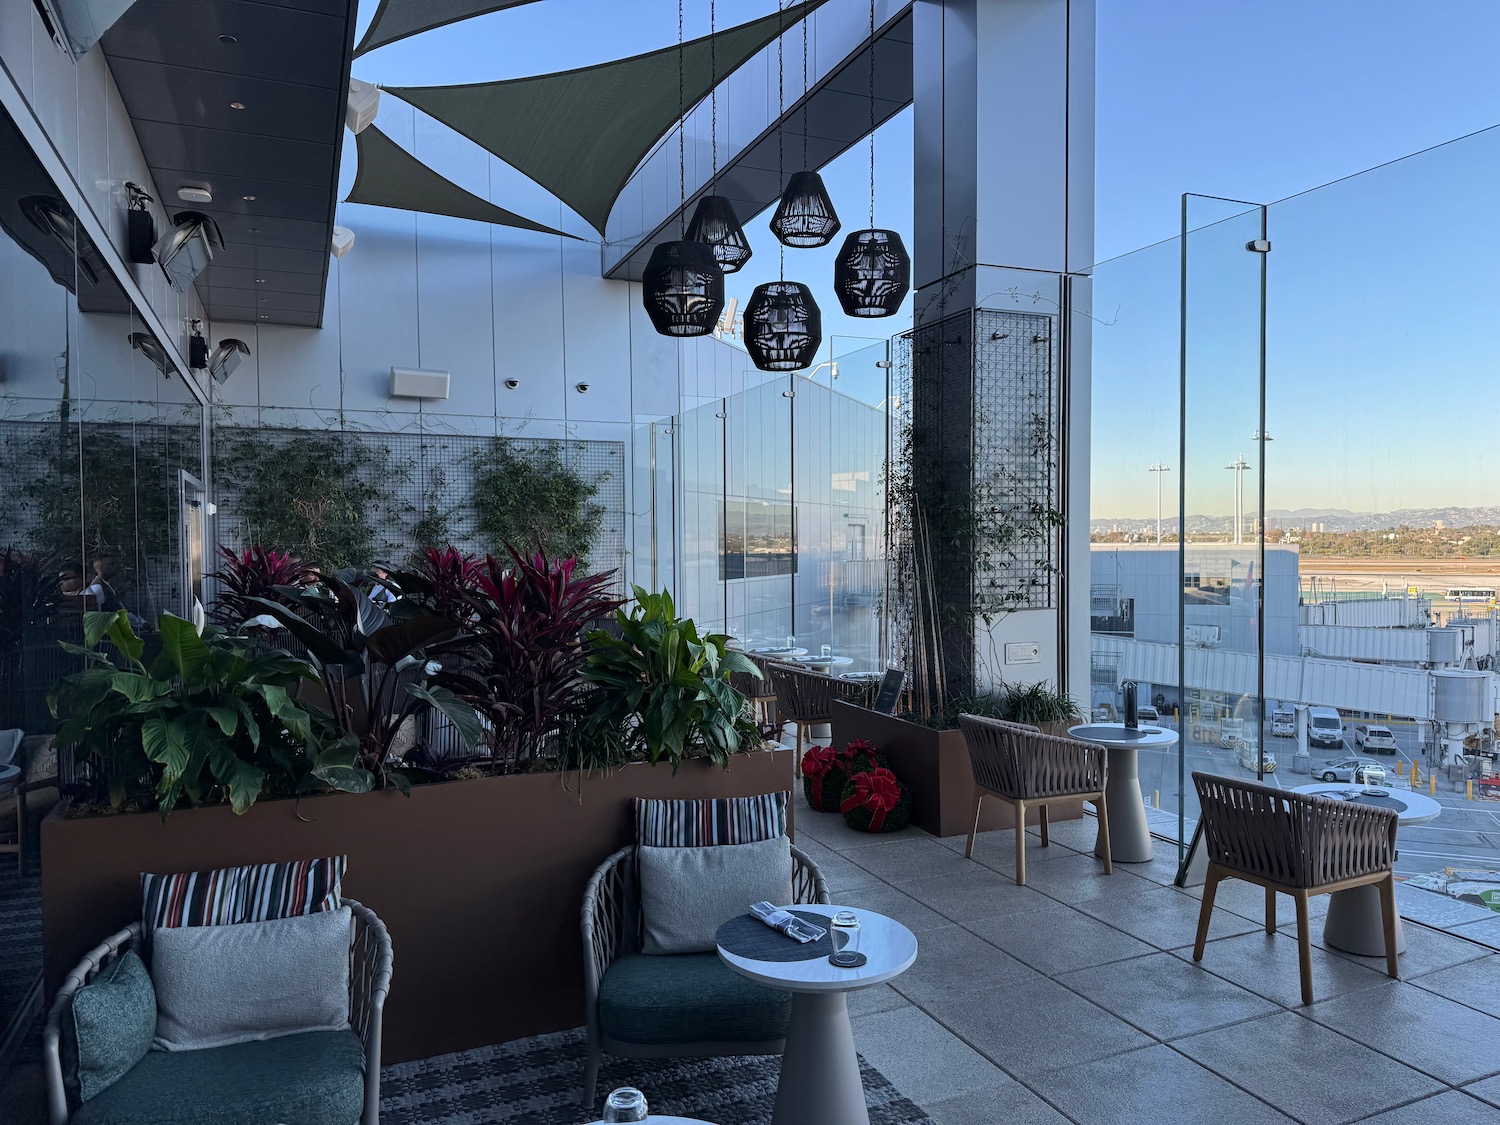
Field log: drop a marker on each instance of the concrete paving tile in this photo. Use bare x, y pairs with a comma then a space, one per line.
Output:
885, 899
1427, 950
1267, 966
1293, 1063
923, 1059
1163, 916
974, 893
1488, 1090
1486, 931
1422, 1029
881, 998
1249, 901
1475, 983
1013, 1105
831, 830
1451, 1108
1166, 996
1034, 1026
907, 860
1078, 878
953, 967
841, 873
1053, 938
1152, 1084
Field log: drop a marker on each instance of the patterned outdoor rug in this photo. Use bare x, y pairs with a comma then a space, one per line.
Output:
536, 1081
20, 938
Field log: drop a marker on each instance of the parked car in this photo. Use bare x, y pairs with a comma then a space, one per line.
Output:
1377, 740
1246, 757
1365, 770
1284, 724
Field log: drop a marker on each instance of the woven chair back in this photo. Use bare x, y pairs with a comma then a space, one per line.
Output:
1022, 763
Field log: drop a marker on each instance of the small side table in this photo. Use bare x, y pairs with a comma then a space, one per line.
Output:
820, 1082
1129, 834
1353, 923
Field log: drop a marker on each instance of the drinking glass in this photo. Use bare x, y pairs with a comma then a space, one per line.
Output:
846, 923
791, 642
625, 1104
827, 651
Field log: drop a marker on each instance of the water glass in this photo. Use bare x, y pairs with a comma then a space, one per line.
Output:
827, 651
846, 939
791, 642
625, 1104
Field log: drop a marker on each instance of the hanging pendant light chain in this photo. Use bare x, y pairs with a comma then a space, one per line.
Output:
872, 114
781, 114
804, 91
681, 131
713, 70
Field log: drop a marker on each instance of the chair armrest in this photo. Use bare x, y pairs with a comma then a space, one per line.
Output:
608, 920
86, 970
370, 960
808, 884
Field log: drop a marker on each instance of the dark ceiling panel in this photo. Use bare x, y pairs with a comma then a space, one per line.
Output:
273, 166
272, 41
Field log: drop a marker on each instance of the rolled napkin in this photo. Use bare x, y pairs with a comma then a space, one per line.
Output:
786, 922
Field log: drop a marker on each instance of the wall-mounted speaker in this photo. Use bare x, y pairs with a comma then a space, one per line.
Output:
140, 232
412, 382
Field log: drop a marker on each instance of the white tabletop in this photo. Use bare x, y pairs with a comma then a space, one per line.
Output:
889, 948
778, 653
822, 661
657, 1119
1420, 808
1116, 735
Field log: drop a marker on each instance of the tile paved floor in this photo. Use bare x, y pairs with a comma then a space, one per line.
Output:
1075, 998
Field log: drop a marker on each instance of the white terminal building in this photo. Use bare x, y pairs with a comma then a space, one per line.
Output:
1379, 656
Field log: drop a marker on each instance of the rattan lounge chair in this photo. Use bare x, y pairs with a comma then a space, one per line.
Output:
667, 1006
1018, 763
1299, 844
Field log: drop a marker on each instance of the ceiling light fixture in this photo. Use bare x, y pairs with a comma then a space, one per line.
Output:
805, 216
714, 220
195, 193
236, 105
248, 198
228, 39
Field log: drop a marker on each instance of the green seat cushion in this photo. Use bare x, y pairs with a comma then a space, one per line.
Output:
688, 998
313, 1078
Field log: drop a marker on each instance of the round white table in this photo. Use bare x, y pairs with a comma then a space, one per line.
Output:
1129, 834
822, 663
820, 1083
657, 1119
1353, 921
779, 653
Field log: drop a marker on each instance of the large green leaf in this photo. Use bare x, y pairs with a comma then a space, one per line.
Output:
183, 647
323, 648
81, 692
346, 779
227, 718
165, 741
463, 717
242, 781
138, 688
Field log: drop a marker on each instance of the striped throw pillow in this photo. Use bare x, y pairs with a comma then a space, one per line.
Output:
705, 823
259, 893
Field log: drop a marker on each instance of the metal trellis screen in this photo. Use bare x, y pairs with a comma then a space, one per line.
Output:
975, 482
388, 494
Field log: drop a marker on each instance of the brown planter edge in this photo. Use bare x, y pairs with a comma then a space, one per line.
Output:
480, 882
934, 765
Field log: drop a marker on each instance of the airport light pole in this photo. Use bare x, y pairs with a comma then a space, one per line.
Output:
1158, 469
1239, 466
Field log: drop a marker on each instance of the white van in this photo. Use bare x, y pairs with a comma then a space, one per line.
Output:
1325, 727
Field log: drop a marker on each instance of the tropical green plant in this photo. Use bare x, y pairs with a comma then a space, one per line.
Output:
662, 691
521, 656
315, 494
528, 495
207, 720
373, 668
1037, 703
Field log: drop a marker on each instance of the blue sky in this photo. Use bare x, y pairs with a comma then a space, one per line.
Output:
1383, 288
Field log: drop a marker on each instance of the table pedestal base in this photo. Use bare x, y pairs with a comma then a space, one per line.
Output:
1353, 923
1129, 834
820, 1083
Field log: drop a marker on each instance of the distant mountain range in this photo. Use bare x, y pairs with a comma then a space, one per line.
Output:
1331, 519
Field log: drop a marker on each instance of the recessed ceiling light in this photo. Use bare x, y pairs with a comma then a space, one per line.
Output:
248, 198
236, 105
265, 316
228, 39
260, 281
255, 230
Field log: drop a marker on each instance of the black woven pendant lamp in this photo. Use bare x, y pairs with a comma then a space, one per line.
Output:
682, 287
805, 216
716, 226
714, 221
783, 326
872, 271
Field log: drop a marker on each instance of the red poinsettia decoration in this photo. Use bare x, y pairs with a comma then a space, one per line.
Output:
876, 791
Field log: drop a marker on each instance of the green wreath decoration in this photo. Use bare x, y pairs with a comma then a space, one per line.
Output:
876, 801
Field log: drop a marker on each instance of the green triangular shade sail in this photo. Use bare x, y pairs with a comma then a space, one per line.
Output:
389, 176
397, 19
581, 133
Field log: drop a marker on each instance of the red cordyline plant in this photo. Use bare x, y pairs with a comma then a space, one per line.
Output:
521, 660
254, 572
442, 580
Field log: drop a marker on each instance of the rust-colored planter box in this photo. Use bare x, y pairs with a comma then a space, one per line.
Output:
480, 882
934, 765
